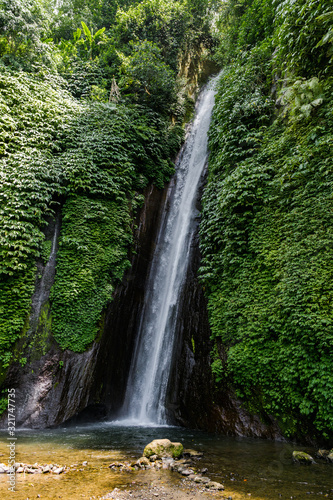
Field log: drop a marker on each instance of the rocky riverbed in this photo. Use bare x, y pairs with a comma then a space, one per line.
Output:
77, 466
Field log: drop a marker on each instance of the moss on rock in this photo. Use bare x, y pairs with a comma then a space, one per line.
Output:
163, 448
302, 458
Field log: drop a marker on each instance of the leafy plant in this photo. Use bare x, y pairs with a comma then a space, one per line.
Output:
302, 98
96, 155
265, 230
91, 38
298, 34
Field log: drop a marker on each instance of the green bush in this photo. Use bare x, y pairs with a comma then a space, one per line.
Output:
266, 231
92, 256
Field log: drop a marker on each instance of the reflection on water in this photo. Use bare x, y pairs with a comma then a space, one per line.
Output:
262, 468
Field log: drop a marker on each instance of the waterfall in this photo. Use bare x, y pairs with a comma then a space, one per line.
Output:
145, 395
43, 287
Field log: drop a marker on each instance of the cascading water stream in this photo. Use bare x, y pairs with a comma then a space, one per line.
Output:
151, 362
43, 289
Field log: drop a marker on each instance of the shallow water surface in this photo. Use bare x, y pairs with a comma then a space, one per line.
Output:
249, 468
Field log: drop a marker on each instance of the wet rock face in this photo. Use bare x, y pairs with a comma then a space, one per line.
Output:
190, 391
52, 389
228, 416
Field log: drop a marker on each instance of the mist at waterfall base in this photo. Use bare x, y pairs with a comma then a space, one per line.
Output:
147, 384
262, 468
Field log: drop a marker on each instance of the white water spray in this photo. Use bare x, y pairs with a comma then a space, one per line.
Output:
150, 368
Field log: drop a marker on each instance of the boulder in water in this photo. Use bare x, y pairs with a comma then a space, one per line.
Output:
163, 448
302, 458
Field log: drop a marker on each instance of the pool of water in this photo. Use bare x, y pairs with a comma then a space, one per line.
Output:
249, 468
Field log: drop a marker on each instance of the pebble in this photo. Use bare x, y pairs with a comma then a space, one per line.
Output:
59, 470
186, 472
33, 468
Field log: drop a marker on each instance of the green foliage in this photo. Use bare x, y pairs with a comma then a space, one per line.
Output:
299, 34
83, 76
68, 14
243, 24
148, 77
15, 303
3, 404
91, 39
328, 36
158, 21
29, 180
113, 148
23, 361
45, 250
35, 114
266, 236
92, 256
302, 98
